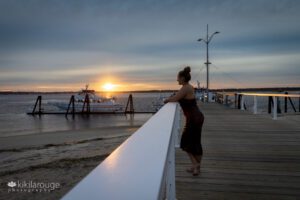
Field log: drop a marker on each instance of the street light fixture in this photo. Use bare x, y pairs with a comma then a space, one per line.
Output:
207, 41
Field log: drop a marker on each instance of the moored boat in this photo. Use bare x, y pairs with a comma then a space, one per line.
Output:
96, 103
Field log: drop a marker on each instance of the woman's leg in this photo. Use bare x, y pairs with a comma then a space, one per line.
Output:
195, 169
198, 158
193, 159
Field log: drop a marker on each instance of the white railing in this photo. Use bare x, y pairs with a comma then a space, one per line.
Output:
142, 167
274, 96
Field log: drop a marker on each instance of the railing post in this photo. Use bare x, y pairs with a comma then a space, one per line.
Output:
274, 107
242, 103
255, 105
170, 179
235, 100
299, 103
269, 104
239, 101
174, 141
226, 99
178, 122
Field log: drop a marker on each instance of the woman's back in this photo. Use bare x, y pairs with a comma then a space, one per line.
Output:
189, 91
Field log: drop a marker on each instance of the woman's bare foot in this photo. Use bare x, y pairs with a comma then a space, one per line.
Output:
191, 169
196, 170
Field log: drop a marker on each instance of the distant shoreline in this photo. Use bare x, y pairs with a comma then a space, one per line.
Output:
275, 89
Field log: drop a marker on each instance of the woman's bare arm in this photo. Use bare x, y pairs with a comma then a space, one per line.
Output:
179, 95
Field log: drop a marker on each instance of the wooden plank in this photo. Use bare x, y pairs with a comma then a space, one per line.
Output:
246, 156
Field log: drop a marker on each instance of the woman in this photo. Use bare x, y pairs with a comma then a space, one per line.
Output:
191, 136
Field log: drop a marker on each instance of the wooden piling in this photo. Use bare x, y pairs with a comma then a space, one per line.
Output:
129, 105
86, 104
39, 103
71, 103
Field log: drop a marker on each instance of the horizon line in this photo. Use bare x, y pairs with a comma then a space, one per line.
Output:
157, 90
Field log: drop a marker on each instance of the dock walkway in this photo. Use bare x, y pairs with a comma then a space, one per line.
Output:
246, 156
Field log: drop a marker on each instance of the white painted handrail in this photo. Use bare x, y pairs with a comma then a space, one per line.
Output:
274, 96
143, 167
269, 94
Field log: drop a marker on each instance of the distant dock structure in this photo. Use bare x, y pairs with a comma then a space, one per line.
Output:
85, 109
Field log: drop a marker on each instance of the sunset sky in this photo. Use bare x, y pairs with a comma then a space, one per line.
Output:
61, 45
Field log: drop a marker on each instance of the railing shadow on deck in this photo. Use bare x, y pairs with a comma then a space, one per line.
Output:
142, 167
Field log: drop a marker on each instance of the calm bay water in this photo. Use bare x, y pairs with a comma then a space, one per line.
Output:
15, 121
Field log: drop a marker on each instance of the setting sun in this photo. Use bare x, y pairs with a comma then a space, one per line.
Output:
108, 87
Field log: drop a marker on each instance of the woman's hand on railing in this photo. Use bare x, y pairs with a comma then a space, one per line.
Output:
176, 96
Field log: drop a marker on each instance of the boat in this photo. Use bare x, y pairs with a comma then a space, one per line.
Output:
96, 103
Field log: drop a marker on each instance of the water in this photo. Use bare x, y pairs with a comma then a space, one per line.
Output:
14, 120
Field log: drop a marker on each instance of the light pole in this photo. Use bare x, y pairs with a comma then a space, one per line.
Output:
207, 41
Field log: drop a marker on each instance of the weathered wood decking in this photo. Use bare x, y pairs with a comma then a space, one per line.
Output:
246, 156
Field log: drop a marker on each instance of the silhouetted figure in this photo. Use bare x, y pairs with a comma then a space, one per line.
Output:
191, 136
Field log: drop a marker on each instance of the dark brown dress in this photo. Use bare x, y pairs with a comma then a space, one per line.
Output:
191, 136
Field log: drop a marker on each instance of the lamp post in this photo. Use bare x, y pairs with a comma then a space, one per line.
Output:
207, 41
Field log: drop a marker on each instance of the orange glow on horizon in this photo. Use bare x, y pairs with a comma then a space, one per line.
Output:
108, 87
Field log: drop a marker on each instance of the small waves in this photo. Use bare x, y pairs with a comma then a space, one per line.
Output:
59, 144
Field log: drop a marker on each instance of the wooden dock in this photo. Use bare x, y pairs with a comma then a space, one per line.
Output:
246, 156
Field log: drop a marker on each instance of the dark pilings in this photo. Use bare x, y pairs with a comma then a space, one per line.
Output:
129, 105
38, 102
86, 104
72, 102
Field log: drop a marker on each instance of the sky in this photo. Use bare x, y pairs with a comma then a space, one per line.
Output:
61, 45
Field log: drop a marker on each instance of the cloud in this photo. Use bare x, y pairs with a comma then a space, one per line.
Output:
140, 41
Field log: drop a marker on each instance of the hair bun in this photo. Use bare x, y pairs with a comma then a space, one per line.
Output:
187, 69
